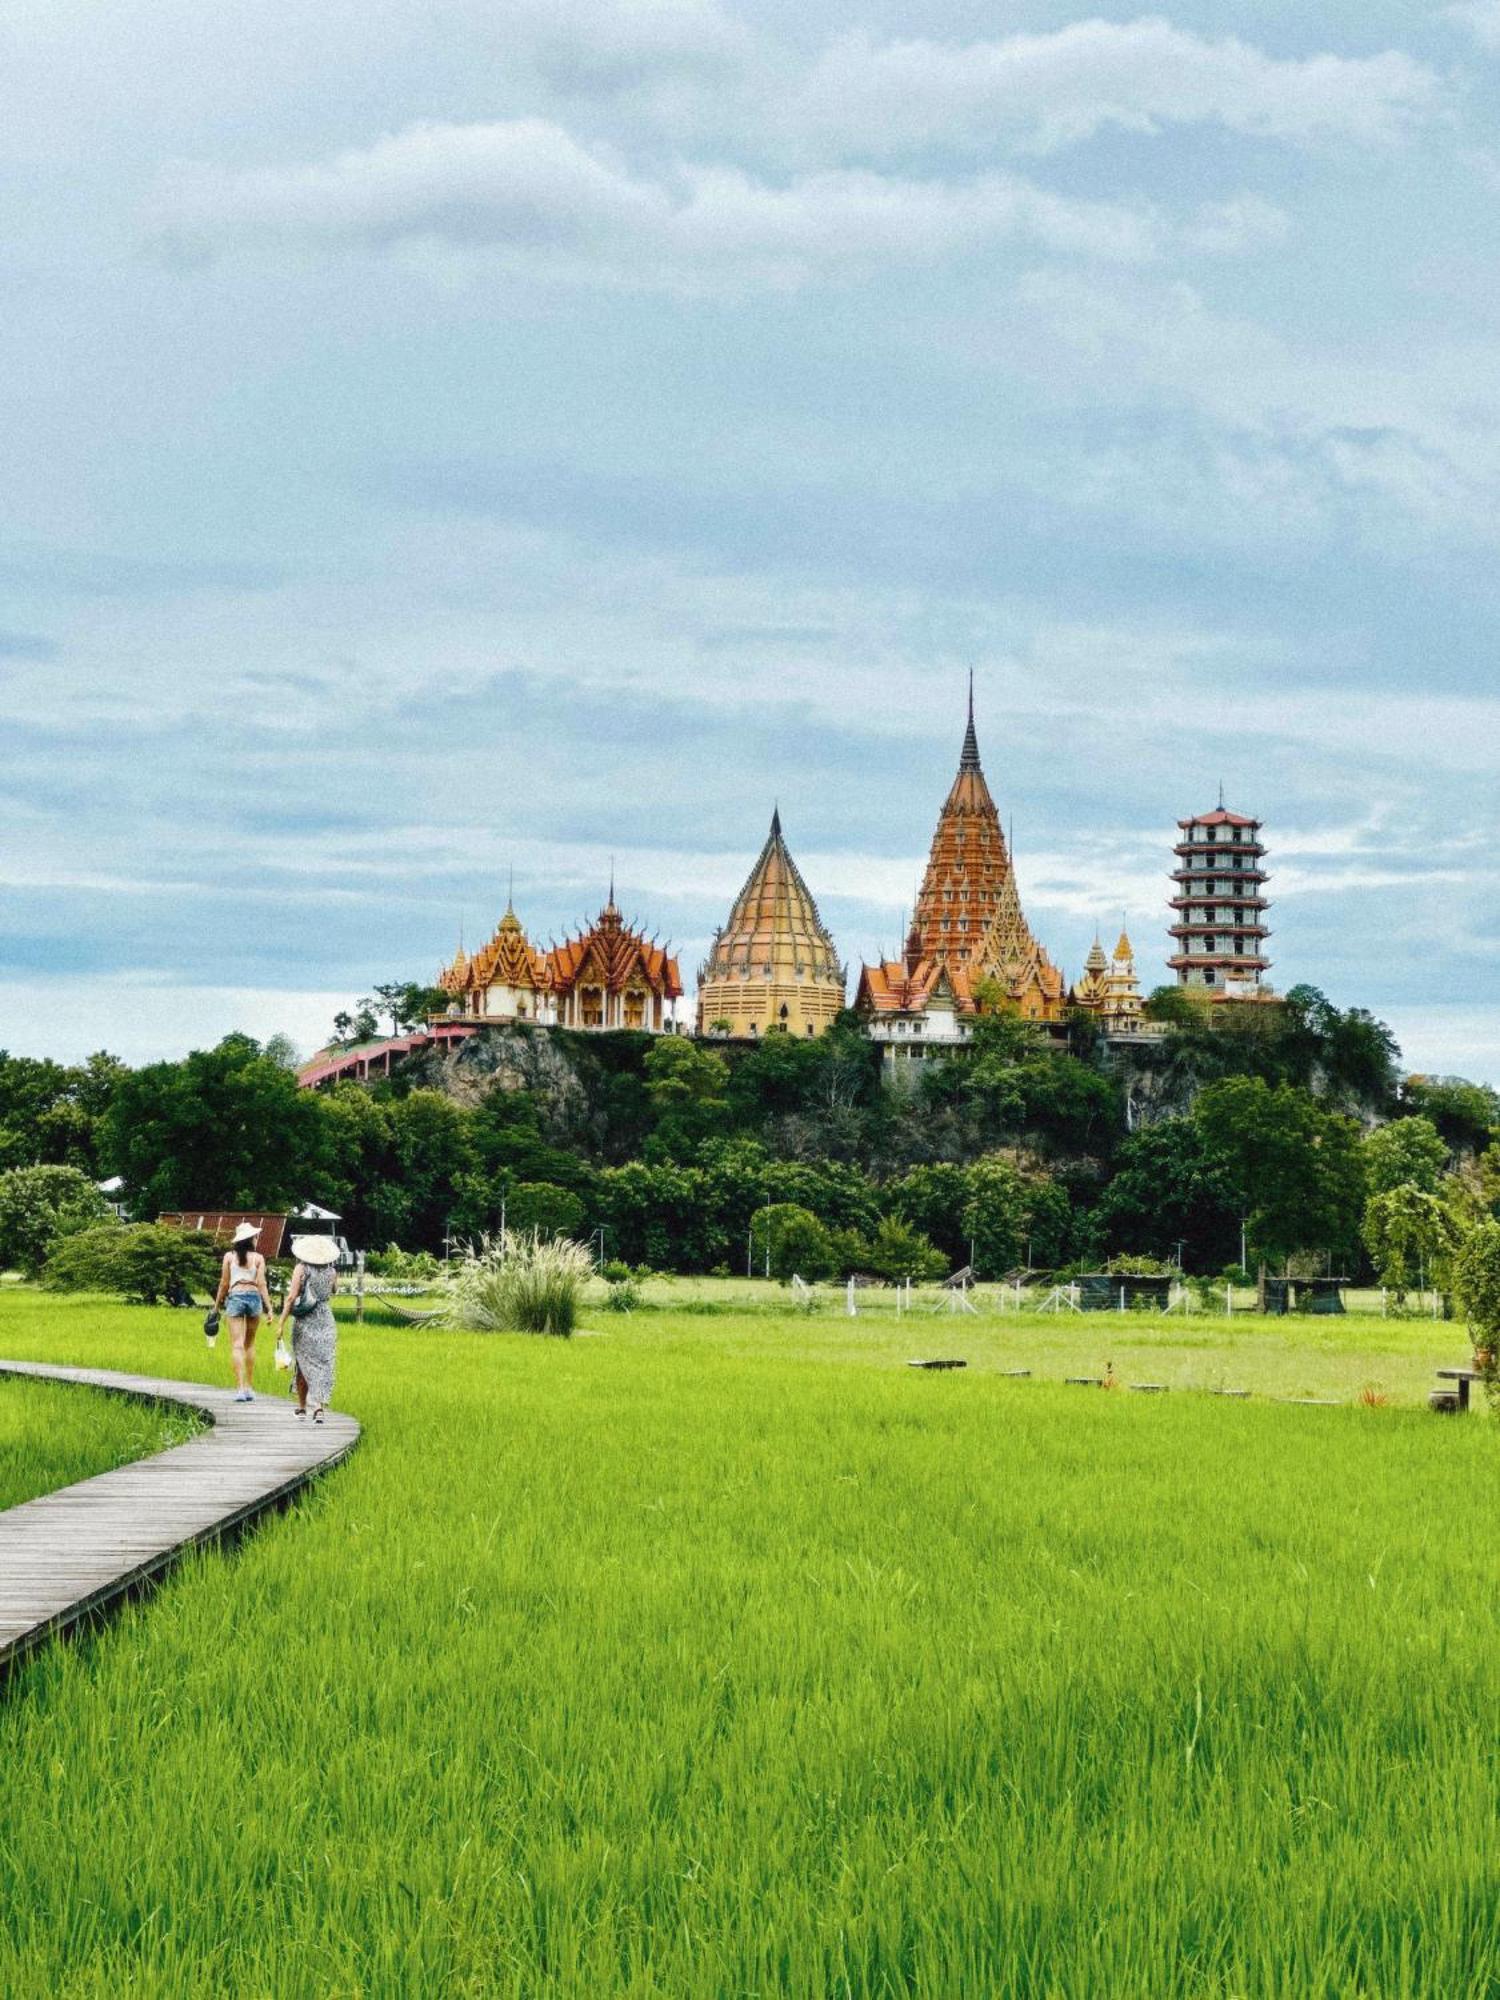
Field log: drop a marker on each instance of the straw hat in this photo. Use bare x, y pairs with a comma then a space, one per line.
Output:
248, 1232
315, 1250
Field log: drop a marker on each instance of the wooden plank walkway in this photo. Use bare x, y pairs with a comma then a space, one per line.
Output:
66, 1555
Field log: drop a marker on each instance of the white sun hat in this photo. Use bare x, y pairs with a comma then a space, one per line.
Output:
248, 1232
315, 1250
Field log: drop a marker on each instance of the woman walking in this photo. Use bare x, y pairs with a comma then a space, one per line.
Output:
244, 1299
314, 1333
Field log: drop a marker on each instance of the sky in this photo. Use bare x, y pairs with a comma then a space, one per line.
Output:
444, 440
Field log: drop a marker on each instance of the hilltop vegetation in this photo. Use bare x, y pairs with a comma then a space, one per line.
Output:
1014, 1154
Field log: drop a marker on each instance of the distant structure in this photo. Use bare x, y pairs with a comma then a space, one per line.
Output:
772, 969
609, 976
507, 980
969, 929
1111, 992
1220, 928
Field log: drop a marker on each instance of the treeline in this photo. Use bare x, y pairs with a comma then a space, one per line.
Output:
696, 1157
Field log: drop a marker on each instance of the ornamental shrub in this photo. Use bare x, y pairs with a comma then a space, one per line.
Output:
145, 1261
518, 1284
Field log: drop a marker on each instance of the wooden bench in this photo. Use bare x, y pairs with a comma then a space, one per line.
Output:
1454, 1401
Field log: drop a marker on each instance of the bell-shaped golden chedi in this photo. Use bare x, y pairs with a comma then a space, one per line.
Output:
773, 968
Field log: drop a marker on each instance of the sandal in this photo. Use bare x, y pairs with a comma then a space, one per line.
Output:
318, 1413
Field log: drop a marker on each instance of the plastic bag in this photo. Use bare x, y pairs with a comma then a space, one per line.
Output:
283, 1355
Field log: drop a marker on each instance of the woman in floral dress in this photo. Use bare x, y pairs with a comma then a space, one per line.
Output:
314, 1334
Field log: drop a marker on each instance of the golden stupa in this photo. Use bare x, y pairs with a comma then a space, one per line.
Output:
773, 968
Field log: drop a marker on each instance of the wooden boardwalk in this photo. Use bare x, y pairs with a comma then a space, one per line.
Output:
66, 1555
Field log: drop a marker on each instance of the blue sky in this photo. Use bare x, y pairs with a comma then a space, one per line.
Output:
444, 438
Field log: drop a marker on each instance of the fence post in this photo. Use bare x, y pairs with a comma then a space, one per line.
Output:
359, 1287
851, 1309
1229, 1300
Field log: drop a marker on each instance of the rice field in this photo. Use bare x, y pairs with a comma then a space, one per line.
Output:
50, 1436
721, 1654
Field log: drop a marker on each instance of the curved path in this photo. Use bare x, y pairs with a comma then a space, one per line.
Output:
67, 1554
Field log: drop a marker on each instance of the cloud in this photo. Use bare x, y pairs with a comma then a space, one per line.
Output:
1481, 19
145, 1018
26, 646
1041, 92
528, 188
607, 46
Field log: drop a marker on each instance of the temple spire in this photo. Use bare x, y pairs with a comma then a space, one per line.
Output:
969, 760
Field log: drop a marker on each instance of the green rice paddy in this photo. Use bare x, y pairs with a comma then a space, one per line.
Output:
51, 1435
722, 1654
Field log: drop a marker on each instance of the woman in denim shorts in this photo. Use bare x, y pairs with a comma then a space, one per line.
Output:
243, 1299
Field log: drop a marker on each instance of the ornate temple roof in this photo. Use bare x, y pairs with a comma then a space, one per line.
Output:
774, 928
507, 960
904, 986
610, 954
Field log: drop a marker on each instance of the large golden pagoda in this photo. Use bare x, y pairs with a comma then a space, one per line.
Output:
969, 913
773, 968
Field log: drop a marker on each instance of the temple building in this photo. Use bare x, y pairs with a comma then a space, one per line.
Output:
772, 969
969, 923
1111, 991
505, 981
914, 1004
609, 976
1220, 928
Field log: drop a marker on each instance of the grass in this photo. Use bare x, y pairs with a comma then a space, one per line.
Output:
726, 1656
51, 1435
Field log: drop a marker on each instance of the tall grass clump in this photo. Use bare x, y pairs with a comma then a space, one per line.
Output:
518, 1283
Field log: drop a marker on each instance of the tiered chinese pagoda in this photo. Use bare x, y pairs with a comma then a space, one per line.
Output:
1220, 928
772, 969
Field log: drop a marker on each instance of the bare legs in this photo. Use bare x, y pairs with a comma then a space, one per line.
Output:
301, 1393
242, 1332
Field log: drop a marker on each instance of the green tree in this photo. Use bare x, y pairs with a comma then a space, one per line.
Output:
433, 1152
932, 1199
795, 1242
1171, 1190
538, 1208
1406, 1153
996, 1215
685, 1084
49, 1113
1466, 1114
1296, 1168
653, 1215
38, 1205
224, 1128
1476, 1282
360, 1177
897, 1251
1410, 1234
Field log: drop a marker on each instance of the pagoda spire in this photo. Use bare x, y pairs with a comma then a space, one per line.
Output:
969, 757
